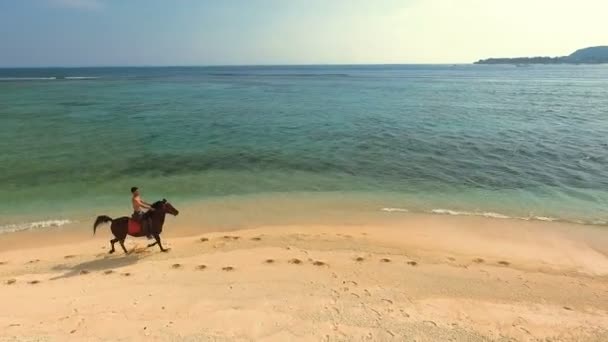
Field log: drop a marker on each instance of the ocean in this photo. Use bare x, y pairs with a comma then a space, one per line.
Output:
497, 141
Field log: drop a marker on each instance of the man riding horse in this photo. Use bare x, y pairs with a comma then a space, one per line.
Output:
139, 214
154, 219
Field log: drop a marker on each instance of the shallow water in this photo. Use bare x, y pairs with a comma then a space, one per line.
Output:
488, 140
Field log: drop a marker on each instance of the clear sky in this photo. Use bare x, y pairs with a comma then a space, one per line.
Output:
211, 32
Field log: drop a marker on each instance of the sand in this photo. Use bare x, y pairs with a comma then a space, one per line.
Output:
415, 278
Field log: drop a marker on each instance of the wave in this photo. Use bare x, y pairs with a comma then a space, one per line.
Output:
502, 216
27, 78
390, 210
489, 214
468, 213
53, 78
11, 228
81, 77
236, 74
495, 215
544, 218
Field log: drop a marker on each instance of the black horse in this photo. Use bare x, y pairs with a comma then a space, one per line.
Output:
156, 219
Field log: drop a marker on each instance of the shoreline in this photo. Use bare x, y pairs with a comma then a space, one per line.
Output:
465, 228
243, 211
195, 223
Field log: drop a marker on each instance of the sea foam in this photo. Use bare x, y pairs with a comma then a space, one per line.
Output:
27, 78
487, 214
390, 210
468, 213
81, 78
16, 227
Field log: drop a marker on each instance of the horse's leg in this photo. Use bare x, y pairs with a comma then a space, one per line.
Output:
122, 244
153, 244
157, 238
119, 228
112, 242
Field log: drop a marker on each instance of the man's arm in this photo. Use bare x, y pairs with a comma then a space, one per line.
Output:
143, 204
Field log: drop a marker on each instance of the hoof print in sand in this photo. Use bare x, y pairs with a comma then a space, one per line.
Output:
319, 263
201, 267
504, 263
33, 282
385, 260
11, 281
567, 308
126, 274
176, 266
295, 261
430, 323
204, 239
229, 237
228, 268
69, 256
256, 238
478, 260
412, 263
83, 272
2, 263
108, 272
359, 259
33, 261
269, 261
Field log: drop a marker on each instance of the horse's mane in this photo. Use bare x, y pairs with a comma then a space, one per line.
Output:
157, 204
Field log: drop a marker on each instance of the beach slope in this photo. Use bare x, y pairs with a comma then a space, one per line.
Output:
422, 278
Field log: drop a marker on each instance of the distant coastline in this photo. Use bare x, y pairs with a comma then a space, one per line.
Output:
590, 55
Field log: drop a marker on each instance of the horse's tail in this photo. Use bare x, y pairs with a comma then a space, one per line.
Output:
101, 219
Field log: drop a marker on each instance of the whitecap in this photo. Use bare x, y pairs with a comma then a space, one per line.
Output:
27, 78
11, 228
451, 212
468, 213
544, 218
495, 215
390, 210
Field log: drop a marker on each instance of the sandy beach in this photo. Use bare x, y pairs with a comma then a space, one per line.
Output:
416, 278
332, 171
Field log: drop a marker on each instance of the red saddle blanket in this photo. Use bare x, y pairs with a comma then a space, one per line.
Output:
134, 227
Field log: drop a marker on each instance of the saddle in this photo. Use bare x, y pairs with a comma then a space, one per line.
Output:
134, 227
139, 227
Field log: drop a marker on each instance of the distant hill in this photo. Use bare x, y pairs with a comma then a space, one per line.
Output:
590, 55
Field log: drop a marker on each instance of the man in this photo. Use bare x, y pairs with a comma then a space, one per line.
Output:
138, 209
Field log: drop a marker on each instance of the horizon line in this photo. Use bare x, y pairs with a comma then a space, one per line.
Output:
221, 65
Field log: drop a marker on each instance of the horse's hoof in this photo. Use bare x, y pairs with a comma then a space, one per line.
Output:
165, 250
110, 252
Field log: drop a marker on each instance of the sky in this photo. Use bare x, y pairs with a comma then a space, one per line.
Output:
246, 32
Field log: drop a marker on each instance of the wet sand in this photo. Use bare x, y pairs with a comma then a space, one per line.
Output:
411, 278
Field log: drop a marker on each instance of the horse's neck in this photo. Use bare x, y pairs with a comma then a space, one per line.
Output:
158, 216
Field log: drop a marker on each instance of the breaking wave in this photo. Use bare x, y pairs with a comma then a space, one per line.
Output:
16, 227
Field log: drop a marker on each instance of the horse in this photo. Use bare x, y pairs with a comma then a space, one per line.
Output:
120, 226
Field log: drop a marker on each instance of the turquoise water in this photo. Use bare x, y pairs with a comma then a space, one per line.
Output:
522, 142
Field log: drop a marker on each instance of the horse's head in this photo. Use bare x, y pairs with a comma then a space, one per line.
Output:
166, 207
